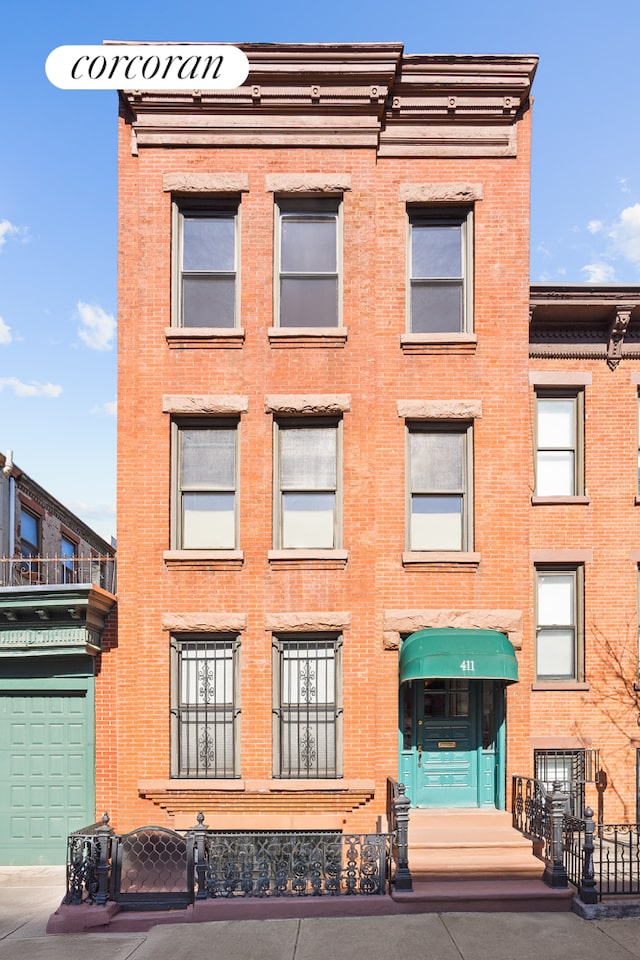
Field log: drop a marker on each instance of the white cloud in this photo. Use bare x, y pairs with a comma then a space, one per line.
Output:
5, 332
623, 183
110, 408
33, 389
625, 234
8, 229
599, 272
97, 328
595, 226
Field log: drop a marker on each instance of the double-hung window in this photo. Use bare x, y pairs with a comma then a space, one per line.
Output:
308, 251
69, 554
205, 488
205, 706
559, 624
308, 470
439, 508
307, 708
569, 768
29, 534
206, 294
559, 470
440, 271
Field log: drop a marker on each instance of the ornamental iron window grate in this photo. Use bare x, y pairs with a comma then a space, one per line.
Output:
306, 708
206, 708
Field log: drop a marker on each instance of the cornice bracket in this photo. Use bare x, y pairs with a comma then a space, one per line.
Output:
617, 331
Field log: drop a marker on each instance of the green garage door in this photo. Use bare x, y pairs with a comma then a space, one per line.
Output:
46, 774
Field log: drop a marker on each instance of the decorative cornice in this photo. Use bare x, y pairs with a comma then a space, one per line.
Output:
50, 640
617, 331
368, 94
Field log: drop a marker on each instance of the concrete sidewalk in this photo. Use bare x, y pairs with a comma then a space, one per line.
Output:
28, 896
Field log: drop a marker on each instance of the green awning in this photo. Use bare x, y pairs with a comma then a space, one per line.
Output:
455, 653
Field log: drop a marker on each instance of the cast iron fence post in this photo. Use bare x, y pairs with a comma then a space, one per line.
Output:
555, 874
587, 890
105, 833
403, 879
199, 833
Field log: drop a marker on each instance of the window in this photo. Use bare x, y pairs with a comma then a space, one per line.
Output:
205, 502
307, 472
440, 272
29, 534
559, 625
307, 711
206, 254
559, 445
567, 766
69, 554
308, 253
439, 502
205, 706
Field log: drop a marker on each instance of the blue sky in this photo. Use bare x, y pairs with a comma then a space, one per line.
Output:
58, 172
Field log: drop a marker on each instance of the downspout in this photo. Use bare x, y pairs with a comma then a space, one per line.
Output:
7, 471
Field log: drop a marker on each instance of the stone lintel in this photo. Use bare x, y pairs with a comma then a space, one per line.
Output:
560, 378
308, 403
561, 556
306, 622
440, 192
205, 182
307, 182
204, 622
397, 622
440, 409
218, 404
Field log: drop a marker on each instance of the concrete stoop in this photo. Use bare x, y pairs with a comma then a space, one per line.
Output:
473, 860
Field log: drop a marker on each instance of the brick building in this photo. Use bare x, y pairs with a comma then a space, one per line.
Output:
57, 613
326, 423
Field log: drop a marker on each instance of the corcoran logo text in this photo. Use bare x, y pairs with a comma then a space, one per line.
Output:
149, 66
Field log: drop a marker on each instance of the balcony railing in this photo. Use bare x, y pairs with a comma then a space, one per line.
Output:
58, 571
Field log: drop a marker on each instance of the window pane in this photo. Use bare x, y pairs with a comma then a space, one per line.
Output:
208, 459
437, 462
206, 748
436, 308
28, 528
207, 675
208, 521
308, 245
436, 523
555, 653
208, 243
308, 745
68, 549
309, 302
555, 474
308, 520
555, 599
436, 250
556, 423
308, 458
208, 301
308, 674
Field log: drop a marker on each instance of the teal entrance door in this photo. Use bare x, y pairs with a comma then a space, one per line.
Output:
452, 732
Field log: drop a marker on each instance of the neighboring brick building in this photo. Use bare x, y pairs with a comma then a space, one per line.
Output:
57, 614
325, 446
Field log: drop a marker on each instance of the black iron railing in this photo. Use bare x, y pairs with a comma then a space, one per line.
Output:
58, 571
155, 868
602, 860
398, 805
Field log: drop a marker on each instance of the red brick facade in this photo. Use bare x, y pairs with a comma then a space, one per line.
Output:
385, 134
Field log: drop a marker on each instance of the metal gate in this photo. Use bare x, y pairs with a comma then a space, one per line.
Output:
152, 869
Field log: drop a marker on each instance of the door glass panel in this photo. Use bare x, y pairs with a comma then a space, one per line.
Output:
458, 698
434, 699
488, 716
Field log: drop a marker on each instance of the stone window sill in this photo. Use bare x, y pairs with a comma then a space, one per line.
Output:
564, 686
311, 559
431, 343
204, 559
273, 785
322, 337
637, 501
458, 558
550, 501
200, 337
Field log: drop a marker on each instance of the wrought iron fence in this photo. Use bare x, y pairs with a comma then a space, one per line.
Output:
56, 571
605, 855
529, 813
154, 868
398, 805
